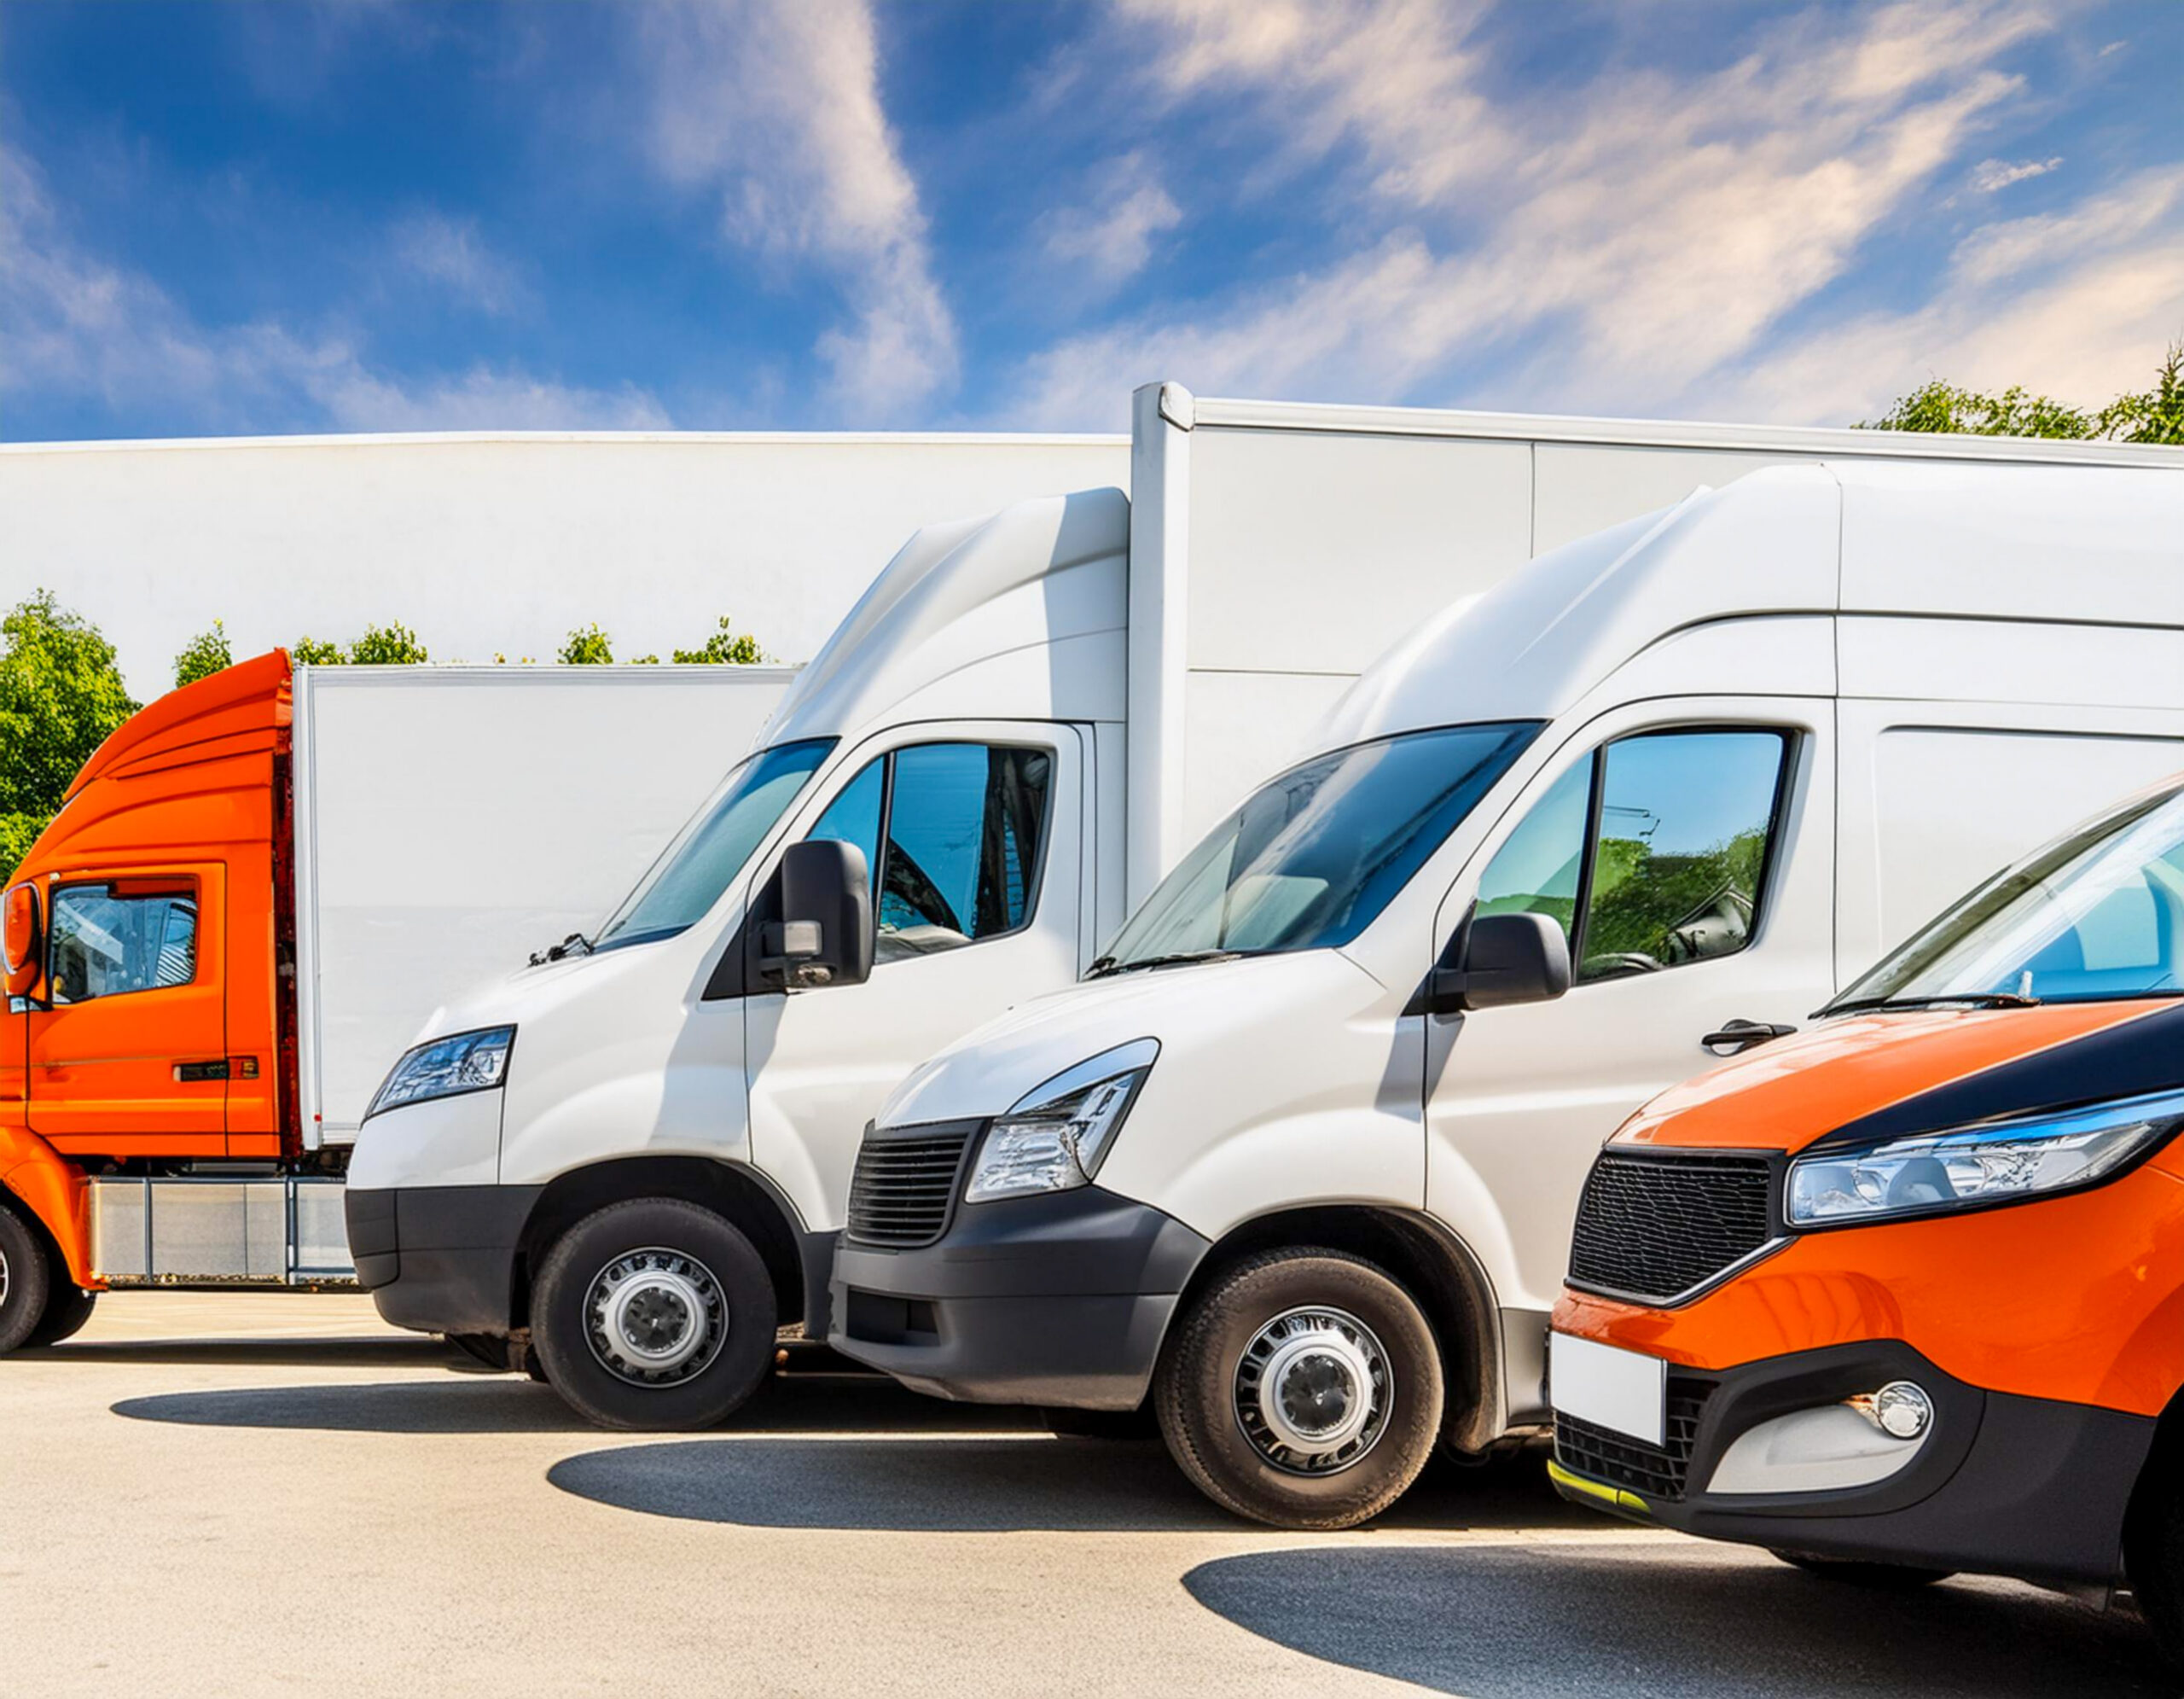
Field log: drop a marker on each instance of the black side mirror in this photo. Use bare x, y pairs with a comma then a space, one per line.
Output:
824, 936
1498, 960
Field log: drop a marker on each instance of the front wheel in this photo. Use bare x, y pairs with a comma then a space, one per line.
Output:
67, 1307
654, 1314
2153, 1546
1303, 1388
25, 1280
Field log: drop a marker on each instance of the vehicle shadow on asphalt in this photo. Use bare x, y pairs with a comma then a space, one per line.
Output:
362, 1353
465, 1401
1693, 1622
950, 1485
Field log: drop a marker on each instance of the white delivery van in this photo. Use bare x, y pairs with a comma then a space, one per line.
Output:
1299, 1160
626, 1169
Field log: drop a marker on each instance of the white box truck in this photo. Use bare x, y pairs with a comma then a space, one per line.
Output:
1300, 1158
258, 888
632, 1165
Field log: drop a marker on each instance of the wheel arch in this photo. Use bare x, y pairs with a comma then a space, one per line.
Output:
1432, 1264
795, 1258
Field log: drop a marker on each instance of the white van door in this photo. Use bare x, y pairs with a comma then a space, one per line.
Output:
1687, 849
973, 835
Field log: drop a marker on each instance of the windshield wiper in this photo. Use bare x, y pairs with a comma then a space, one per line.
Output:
1107, 964
1969, 999
576, 944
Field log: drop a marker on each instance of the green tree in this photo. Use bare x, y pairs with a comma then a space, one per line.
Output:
588, 646
206, 653
315, 652
2153, 415
723, 648
394, 645
60, 694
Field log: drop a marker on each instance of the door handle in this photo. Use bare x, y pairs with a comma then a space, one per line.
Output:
1739, 1036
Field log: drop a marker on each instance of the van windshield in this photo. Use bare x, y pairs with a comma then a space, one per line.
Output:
2098, 914
1313, 856
694, 870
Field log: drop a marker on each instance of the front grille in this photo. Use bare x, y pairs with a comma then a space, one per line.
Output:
905, 1184
1651, 1471
1653, 1227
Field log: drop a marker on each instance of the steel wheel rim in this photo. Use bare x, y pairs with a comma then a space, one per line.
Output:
1312, 1390
655, 1317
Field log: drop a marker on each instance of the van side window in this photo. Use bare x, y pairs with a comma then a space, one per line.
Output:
1651, 854
953, 833
104, 945
1684, 825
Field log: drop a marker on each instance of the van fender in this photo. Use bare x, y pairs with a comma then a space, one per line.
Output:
57, 1195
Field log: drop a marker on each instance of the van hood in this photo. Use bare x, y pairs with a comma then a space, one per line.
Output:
1188, 1010
531, 992
1894, 1074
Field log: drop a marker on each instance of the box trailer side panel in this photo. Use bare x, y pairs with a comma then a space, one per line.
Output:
450, 822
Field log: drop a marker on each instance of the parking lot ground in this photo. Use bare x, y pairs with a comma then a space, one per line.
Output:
274, 1494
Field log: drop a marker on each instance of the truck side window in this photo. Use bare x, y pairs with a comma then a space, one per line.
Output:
1538, 867
963, 824
104, 945
1684, 824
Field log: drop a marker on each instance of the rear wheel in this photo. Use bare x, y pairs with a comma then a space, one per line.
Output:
67, 1307
655, 1314
1857, 1573
1303, 1389
25, 1280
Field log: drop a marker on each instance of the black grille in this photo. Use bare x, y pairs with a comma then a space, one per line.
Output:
1651, 1471
905, 1184
1653, 1227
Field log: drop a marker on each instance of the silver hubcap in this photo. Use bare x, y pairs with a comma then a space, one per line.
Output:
1313, 1391
655, 1317
4, 1280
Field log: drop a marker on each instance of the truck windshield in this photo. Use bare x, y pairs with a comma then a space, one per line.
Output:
1313, 856
694, 870
2097, 914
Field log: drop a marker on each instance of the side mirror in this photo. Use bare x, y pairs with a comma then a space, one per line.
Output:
22, 940
1499, 959
824, 936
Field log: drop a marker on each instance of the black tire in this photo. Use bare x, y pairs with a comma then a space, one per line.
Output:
67, 1307
2153, 1548
1203, 1388
1886, 1578
697, 1276
25, 1279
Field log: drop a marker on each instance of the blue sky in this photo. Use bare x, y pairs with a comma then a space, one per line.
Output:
343, 215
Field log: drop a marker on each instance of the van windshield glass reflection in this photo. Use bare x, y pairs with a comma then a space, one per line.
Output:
1312, 857
693, 871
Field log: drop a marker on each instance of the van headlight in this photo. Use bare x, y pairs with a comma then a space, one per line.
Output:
1055, 1136
1991, 1163
447, 1067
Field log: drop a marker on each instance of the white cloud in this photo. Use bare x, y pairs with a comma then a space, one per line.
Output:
1105, 242
451, 253
776, 105
1990, 175
2076, 306
74, 324
1647, 228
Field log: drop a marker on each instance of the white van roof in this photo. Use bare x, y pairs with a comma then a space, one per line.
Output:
2102, 544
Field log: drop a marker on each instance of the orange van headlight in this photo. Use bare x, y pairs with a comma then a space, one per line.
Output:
1987, 1163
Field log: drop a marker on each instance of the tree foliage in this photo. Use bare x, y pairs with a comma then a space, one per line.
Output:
723, 648
2155, 415
206, 653
60, 694
315, 652
394, 645
588, 646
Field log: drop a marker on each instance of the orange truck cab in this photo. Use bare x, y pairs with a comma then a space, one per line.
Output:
150, 1026
1904, 1295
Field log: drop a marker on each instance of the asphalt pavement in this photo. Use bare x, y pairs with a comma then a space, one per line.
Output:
231, 1494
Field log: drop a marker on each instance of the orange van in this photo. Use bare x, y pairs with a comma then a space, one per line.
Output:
1903, 1294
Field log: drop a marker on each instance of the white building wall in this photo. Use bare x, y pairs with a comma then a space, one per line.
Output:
490, 544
